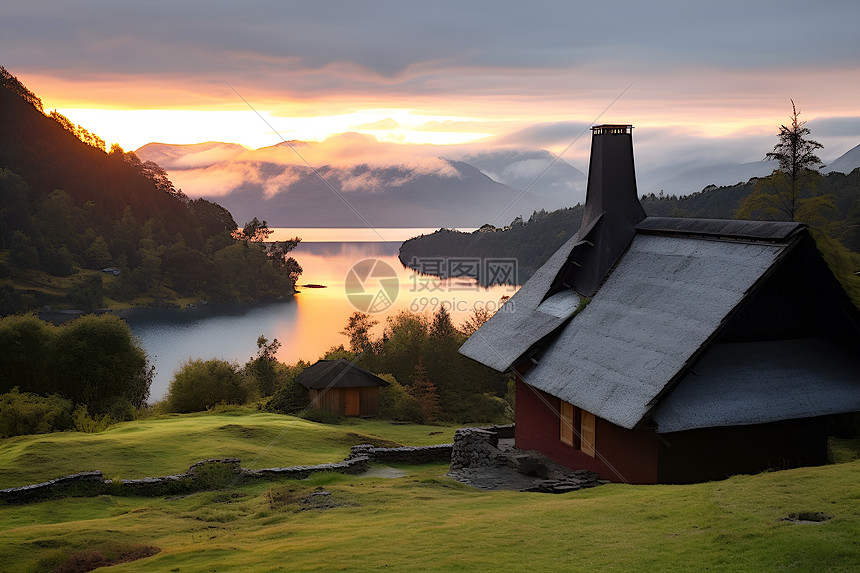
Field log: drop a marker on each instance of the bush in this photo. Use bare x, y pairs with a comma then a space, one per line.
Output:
395, 403
263, 371
290, 399
24, 413
481, 408
200, 384
91, 425
96, 361
25, 343
214, 475
321, 416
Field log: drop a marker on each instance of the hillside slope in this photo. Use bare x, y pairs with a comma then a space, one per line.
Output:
69, 210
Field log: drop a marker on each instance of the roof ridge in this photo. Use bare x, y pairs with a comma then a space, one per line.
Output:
779, 231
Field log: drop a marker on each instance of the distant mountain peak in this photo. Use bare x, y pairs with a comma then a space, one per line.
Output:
846, 163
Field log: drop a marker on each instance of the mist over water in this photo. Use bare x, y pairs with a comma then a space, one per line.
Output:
307, 324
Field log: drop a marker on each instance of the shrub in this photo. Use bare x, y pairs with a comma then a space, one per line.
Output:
395, 403
321, 416
290, 399
214, 475
200, 384
89, 424
263, 371
96, 360
24, 413
25, 343
480, 408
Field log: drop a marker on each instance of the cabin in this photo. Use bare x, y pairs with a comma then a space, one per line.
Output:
670, 350
342, 388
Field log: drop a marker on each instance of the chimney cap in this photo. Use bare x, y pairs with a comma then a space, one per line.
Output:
613, 128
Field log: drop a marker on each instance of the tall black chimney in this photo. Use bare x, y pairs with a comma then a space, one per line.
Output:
612, 210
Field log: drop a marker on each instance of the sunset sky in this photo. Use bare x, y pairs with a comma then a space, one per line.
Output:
696, 79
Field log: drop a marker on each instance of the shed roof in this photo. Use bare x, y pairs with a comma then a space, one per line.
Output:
338, 373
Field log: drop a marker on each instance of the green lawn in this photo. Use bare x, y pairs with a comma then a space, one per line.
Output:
168, 445
423, 521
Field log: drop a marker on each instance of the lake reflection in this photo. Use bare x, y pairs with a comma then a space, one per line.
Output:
307, 324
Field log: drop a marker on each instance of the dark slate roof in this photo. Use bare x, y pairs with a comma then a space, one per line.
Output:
760, 382
338, 373
721, 228
523, 322
665, 298
525, 318
627, 356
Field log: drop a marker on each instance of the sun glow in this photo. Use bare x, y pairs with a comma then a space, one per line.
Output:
137, 127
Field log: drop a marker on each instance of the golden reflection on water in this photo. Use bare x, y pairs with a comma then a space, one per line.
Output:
307, 324
323, 312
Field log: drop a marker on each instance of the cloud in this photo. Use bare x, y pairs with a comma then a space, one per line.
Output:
213, 181
834, 126
350, 161
406, 49
206, 157
544, 135
381, 125
452, 125
384, 38
350, 149
534, 74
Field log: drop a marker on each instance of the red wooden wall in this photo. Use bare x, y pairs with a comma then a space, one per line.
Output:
621, 455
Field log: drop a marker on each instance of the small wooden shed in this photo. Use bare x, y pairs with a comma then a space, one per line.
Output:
342, 388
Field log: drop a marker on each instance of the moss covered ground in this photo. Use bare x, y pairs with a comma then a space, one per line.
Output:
170, 444
422, 521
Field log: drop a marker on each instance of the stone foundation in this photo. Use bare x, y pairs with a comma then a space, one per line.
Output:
476, 447
413, 455
479, 459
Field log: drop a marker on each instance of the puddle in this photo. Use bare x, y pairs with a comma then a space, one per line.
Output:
383, 472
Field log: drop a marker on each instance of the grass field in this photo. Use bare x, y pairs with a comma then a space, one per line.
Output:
420, 522
169, 444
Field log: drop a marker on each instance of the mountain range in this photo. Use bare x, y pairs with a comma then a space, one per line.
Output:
366, 184
354, 181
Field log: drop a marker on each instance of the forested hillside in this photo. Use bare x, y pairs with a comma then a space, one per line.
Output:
531, 242
84, 228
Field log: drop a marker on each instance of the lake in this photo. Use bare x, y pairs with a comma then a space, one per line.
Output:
309, 323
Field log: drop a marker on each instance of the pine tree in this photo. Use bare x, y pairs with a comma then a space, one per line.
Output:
424, 392
787, 194
442, 326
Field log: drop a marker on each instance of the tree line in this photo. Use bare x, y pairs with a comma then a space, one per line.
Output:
69, 210
415, 353
56, 377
